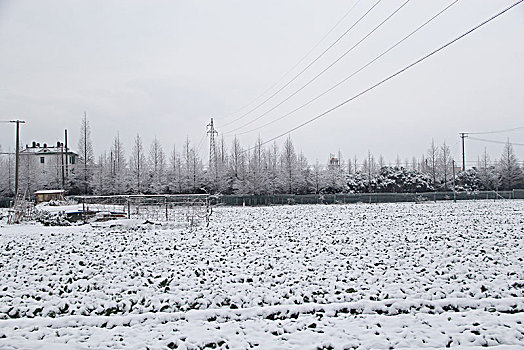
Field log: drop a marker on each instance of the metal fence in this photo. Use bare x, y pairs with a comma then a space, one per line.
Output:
279, 199
190, 209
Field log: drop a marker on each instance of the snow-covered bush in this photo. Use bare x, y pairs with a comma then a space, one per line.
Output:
51, 218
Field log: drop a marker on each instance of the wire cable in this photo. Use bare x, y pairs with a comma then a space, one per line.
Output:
307, 67
372, 87
200, 143
495, 132
323, 71
352, 74
299, 62
495, 141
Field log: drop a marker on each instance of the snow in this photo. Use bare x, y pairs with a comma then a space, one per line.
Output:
50, 192
401, 275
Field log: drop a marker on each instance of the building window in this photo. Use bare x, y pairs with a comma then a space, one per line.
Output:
42, 160
72, 160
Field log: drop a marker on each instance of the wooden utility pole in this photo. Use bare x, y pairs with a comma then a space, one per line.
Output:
62, 166
463, 135
454, 193
85, 153
66, 155
17, 157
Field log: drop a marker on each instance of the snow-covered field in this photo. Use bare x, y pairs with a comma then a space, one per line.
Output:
288, 277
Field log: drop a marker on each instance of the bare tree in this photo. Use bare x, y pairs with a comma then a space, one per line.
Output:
381, 162
445, 163
175, 171
433, 154
138, 164
118, 165
157, 167
487, 172
288, 161
510, 172
85, 155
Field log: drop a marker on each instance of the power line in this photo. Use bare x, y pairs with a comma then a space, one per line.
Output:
395, 74
304, 69
352, 74
300, 61
324, 70
496, 131
496, 141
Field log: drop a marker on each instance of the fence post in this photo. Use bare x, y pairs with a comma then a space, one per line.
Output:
84, 210
167, 216
128, 209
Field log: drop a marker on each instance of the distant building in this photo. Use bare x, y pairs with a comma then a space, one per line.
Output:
46, 166
49, 195
333, 161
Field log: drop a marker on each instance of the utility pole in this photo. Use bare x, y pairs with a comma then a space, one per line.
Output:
212, 148
454, 193
62, 166
463, 135
66, 155
17, 152
85, 152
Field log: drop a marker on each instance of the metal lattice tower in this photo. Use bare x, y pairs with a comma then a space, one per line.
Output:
212, 148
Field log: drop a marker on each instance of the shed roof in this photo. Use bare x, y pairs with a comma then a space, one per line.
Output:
50, 192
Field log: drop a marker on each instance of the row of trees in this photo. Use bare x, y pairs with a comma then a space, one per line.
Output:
260, 170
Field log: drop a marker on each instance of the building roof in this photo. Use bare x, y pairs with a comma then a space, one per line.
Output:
50, 192
37, 149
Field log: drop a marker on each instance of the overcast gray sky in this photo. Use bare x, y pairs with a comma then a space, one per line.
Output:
163, 68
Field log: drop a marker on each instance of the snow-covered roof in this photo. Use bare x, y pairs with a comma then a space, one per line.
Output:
50, 192
37, 149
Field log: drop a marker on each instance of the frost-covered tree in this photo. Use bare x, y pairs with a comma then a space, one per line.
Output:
402, 180
138, 166
487, 173
317, 175
102, 182
445, 164
334, 176
194, 169
350, 168
369, 169
432, 159
222, 168
288, 166
273, 169
86, 159
175, 172
119, 165
6, 174
381, 162
510, 173
257, 176
304, 176
157, 160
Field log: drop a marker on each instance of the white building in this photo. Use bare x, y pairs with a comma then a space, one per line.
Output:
46, 166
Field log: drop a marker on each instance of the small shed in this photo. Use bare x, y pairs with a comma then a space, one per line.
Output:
48, 195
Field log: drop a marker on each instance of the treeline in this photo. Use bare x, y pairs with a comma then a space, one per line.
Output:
261, 170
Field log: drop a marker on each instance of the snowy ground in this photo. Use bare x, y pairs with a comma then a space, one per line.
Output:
289, 277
